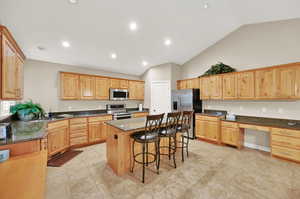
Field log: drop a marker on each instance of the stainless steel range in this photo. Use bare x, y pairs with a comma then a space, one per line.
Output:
118, 111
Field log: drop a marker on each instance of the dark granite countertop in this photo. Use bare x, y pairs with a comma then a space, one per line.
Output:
270, 122
26, 131
213, 113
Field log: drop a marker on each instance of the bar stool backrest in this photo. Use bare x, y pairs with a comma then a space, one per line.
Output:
186, 119
153, 123
172, 121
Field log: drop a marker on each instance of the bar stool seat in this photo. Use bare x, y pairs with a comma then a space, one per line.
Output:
168, 132
141, 137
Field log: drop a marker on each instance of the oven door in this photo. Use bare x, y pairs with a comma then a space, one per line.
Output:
118, 94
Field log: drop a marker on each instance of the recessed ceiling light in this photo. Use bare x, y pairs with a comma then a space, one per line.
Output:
133, 26
145, 63
113, 55
65, 44
168, 42
73, 1
206, 5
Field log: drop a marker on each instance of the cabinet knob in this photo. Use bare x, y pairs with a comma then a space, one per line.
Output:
116, 137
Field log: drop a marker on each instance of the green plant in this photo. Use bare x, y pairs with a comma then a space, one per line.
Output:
218, 68
27, 108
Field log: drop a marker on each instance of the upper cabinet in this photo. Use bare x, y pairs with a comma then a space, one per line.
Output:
270, 83
188, 83
245, 85
136, 90
69, 86
102, 88
230, 86
87, 87
74, 86
211, 87
11, 65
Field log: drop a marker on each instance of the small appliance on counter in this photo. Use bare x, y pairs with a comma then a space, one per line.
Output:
5, 131
140, 107
230, 116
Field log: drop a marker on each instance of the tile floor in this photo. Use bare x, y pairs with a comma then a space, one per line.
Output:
210, 172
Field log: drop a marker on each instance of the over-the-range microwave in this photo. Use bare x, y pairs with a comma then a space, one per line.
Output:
118, 94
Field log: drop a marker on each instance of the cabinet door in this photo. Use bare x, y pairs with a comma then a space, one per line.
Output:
19, 77
205, 90
102, 88
9, 71
245, 85
183, 84
297, 83
200, 129
212, 130
115, 83
195, 83
216, 87
264, 84
95, 131
58, 139
87, 87
285, 82
230, 136
229, 86
69, 86
140, 89
132, 90
189, 84
123, 83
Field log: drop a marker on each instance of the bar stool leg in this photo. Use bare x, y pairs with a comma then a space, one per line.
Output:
157, 156
143, 180
187, 143
174, 151
147, 154
182, 148
169, 147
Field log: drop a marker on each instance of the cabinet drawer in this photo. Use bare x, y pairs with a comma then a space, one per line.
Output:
58, 124
78, 120
286, 132
78, 140
283, 152
79, 133
78, 127
254, 127
144, 114
100, 118
229, 124
207, 118
285, 141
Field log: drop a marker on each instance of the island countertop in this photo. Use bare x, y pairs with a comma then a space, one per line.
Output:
130, 124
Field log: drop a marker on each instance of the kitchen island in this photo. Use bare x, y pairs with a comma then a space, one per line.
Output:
119, 144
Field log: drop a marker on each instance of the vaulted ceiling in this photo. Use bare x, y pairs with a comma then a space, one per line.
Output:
97, 28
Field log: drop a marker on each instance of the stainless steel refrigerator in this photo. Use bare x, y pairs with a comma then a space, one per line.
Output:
187, 100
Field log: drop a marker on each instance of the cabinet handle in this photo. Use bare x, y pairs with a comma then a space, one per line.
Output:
116, 137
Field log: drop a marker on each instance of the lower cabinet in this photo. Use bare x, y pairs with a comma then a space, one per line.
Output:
285, 143
143, 114
58, 137
208, 128
97, 131
230, 136
78, 131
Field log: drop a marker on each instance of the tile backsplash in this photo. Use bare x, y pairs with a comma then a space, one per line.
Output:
5, 106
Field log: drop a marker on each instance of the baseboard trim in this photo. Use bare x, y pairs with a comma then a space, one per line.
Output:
255, 146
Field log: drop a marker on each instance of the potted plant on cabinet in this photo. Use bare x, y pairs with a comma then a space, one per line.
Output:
27, 111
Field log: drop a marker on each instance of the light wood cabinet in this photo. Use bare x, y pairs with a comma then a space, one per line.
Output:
102, 88
230, 86
188, 83
11, 67
143, 114
286, 82
124, 83
87, 87
69, 86
118, 83
205, 90
58, 137
245, 85
97, 128
264, 84
78, 131
136, 90
230, 135
208, 128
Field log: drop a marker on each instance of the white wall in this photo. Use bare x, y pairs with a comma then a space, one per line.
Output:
41, 84
253, 46
167, 72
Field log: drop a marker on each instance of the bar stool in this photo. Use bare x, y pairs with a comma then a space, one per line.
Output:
183, 129
169, 131
145, 137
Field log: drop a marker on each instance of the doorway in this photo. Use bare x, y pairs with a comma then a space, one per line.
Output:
160, 97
